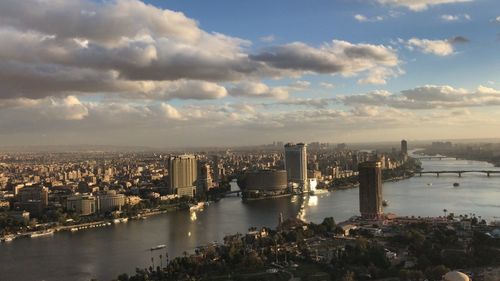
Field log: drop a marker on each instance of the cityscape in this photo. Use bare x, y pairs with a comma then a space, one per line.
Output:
329, 140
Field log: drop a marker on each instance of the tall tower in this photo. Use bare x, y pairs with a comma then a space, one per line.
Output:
296, 164
370, 189
204, 183
404, 147
183, 172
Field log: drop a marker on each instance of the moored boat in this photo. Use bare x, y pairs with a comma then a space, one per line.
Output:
197, 207
42, 233
158, 247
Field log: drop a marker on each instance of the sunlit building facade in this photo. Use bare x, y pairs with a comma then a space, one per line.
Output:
183, 173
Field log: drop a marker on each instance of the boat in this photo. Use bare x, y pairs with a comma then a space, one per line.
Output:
42, 233
9, 238
429, 184
456, 184
158, 247
197, 207
385, 203
319, 191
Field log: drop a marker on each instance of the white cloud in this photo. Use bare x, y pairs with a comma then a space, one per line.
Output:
454, 18
268, 38
256, 90
327, 85
379, 75
68, 109
427, 97
419, 5
363, 18
360, 18
170, 112
435, 47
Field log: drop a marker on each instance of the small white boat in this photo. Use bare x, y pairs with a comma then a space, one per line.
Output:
158, 247
197, 207
8, 238
42, 233
319, 191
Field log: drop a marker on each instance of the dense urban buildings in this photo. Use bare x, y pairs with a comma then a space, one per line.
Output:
183, 172
370, 189
296, 164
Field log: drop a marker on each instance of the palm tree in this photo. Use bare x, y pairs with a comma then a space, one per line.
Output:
445, 211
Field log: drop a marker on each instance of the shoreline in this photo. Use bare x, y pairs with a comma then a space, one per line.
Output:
84, 226
356, 185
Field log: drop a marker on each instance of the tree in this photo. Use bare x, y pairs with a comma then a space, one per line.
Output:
123, 277
436, 273
349, 276
410, 275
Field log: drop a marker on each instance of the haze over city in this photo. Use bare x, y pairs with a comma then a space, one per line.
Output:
190, 73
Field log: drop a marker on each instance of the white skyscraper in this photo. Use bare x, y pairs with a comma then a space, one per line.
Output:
296, 164
183, 173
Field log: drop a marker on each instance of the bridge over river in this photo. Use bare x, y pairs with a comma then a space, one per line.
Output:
459, 172
433, 157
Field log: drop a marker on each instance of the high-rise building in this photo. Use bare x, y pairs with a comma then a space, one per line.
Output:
296, 164
204, 183
183, 172
404, 147
370, 189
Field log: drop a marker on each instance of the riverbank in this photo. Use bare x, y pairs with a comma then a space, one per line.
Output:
88, 225
484, 157
356, 185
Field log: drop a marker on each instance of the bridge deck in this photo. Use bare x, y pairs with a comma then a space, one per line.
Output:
460, 172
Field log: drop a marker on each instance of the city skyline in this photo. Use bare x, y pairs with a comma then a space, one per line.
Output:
247, 73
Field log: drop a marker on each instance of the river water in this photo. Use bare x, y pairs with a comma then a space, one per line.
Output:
104, 253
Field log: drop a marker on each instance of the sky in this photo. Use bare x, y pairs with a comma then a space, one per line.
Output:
223, 72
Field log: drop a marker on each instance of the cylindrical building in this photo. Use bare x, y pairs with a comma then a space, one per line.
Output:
262, 183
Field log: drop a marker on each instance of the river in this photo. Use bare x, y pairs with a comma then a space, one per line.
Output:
104, 253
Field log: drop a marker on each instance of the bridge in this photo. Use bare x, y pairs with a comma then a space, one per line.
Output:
237, 192
432, 157
459, 172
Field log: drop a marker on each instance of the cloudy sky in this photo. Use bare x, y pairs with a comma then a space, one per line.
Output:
225, 72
